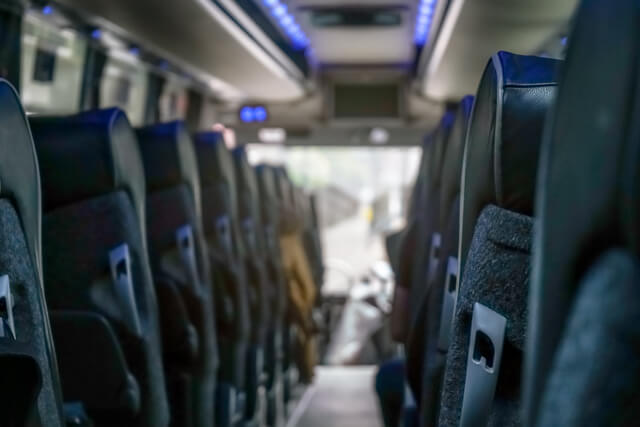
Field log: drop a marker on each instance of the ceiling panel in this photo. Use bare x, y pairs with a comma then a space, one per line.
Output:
363, 45
193, 32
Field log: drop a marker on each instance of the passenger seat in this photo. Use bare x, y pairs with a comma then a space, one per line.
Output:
180, 265
583, 350
427, 253
97, 275
221, 228
30, 391
278, 301
482, 376
438, 304
258, 286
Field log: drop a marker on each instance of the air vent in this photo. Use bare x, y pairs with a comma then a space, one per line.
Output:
345, 17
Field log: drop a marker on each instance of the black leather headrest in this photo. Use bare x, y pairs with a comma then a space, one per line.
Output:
439, 141
87, 155
265, 177
169, 158
452, 163
19, 177
266, 180
589, 177
283, 185
245, 183
215, 165
214, 160
503, 140
415, 203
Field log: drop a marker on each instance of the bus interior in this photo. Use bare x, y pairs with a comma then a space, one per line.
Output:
310, 213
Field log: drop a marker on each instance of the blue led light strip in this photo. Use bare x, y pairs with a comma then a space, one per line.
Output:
424, 18
287, 22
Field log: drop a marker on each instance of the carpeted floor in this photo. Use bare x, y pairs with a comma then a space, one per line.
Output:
339, 397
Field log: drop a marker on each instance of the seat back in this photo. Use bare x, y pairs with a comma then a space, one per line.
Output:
582, 361
270, 219
405, 250
482, 376
438, 303
30, 391
221, 228
251, 234
259, 288
310, 237
316, 240
282, 187
276, 346
427, 252
97, 275
180, 266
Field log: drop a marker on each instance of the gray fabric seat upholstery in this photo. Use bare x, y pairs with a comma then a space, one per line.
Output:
498, 182
222, 234
30, 392
582, 359
96, 267
182, 275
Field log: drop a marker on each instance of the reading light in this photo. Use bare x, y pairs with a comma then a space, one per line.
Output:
260, 113
246, 114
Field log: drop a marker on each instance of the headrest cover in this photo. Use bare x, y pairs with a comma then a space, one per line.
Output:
589, 178
452, 163
503, 140
246, 183
19, 177
87, 155
169, 158
215, 165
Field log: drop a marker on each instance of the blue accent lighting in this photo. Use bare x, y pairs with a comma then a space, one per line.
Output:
260, 114
247, 114
287, 23
424, 19
47, 10
96, 34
